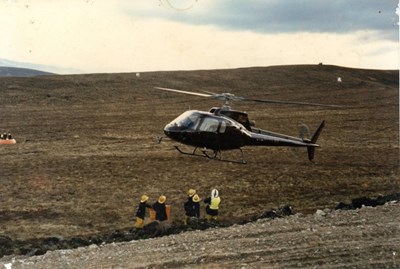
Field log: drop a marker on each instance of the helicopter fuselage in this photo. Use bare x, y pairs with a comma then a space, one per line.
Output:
220, 132
225, 129
206, 130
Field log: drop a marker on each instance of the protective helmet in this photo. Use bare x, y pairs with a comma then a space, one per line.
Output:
191, 192
162, 199
144, 198
214, 193
196, 198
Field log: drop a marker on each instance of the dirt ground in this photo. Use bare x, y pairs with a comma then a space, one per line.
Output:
326, 239
87, 146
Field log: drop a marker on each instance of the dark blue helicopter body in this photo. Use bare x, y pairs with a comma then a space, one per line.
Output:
217, 132
225, 129
206, 130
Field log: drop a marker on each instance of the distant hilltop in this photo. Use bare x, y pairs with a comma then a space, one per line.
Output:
21, 72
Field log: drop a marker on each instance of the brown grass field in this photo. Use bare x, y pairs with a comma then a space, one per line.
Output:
87, 145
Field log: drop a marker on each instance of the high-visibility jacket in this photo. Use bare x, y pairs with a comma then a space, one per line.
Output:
215, 203
212, 205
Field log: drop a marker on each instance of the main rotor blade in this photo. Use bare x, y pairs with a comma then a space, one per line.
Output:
289, 102
185, 92
231, 97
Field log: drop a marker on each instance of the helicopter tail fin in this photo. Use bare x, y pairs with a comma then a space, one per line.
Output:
317, 132
314, 138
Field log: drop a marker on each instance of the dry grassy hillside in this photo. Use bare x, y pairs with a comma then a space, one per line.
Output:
87, 145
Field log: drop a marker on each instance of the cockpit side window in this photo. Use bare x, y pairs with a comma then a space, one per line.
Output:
187, 121
209, 125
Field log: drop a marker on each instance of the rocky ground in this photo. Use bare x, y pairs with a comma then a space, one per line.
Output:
360, 238
86, 151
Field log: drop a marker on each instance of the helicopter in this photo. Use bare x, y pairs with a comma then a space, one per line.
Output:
222, 128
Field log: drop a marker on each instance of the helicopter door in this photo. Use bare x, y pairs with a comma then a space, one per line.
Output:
222, 128
209, 129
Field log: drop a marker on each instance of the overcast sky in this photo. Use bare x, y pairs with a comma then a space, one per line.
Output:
92, 36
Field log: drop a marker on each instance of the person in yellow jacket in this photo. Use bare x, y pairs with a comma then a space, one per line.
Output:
141, 211
212, 205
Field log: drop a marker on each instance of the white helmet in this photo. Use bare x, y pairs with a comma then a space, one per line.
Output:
214, 193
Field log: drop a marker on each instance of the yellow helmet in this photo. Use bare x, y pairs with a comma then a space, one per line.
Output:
162, 199
196, 198
144, 198
191, 192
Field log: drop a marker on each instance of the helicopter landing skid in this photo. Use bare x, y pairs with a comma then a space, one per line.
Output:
217, 155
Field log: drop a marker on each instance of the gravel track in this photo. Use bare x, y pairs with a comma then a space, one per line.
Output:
361, 238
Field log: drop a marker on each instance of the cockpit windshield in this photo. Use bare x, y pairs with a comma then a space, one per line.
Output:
187, 121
